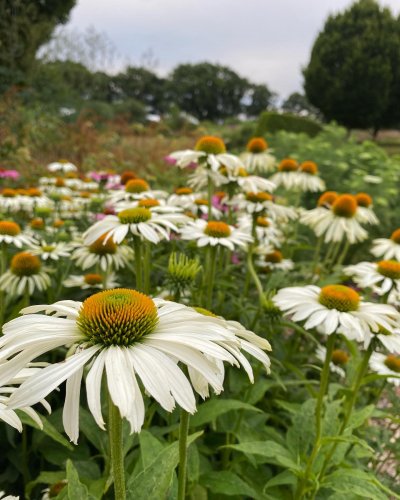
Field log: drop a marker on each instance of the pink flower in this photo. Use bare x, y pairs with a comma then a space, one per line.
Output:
170, 160
9, 174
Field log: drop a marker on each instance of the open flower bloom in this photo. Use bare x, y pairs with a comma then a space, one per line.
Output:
287, 175
213, 233
25, 275
308, 179
386, 365
61, 166
123, 334
387, 248
3, 496
11, 234
91, 281
262, 203
209, 152
51, 251
183, 197
339, 222
267, 232
256, 158
107, 255
339, 359
391, 340
151, 224
335, 309
270, 259
382, 277
365, 213
135, 189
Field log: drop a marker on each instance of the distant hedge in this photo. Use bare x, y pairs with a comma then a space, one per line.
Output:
270, 122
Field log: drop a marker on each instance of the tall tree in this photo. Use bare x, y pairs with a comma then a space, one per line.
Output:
353, 71
261, 98
24, 26
298, 104
207, 91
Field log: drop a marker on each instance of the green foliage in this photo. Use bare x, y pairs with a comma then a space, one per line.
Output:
24, 26
353, 73
207, 91
272, 122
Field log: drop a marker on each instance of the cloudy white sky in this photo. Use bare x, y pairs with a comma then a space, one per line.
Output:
267, 41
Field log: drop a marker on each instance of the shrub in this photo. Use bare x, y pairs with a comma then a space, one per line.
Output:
271, 122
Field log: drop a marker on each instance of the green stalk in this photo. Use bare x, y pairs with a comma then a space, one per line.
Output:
183, 435
212, 264
146, 267
342, 256
3, 267
116, 450
318, 416
316, 253
349, 404
210, 191
137, 247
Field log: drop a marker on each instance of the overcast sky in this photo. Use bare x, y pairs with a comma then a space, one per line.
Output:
267, 41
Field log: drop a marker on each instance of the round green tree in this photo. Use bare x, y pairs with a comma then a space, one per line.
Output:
353, 74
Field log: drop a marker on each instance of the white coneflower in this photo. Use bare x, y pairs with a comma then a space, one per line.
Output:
200, 208
339, 359
387, 248
183, 197
123, 334
135, 189
3, 496
199, 179
256, 158
270, 259
64, 166
340, 222
10, 201
209, 152
335, 309
382, 277
315, 215
105, 254
267, 233
10, 234
391, 340
308, 179
365, 213
215, 233
51, 251
25, 275
91, 281
287, 175
149, 223
386, 365
262, 203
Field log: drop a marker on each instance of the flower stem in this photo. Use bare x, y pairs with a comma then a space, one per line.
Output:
349, 404
116, 450
210, 191
137, 247
146, 268
183, 434
318, 416
212, 264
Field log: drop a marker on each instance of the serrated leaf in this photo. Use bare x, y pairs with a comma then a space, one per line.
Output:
155, 480
285, 477
214, 408
227, 483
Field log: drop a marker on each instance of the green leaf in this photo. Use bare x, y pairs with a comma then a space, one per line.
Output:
214, 408
48, 429
227, 483
75, 488
150, 447
357, 482
359, 417
270, 451
155, 480
91, 430
285, 477
348, 439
